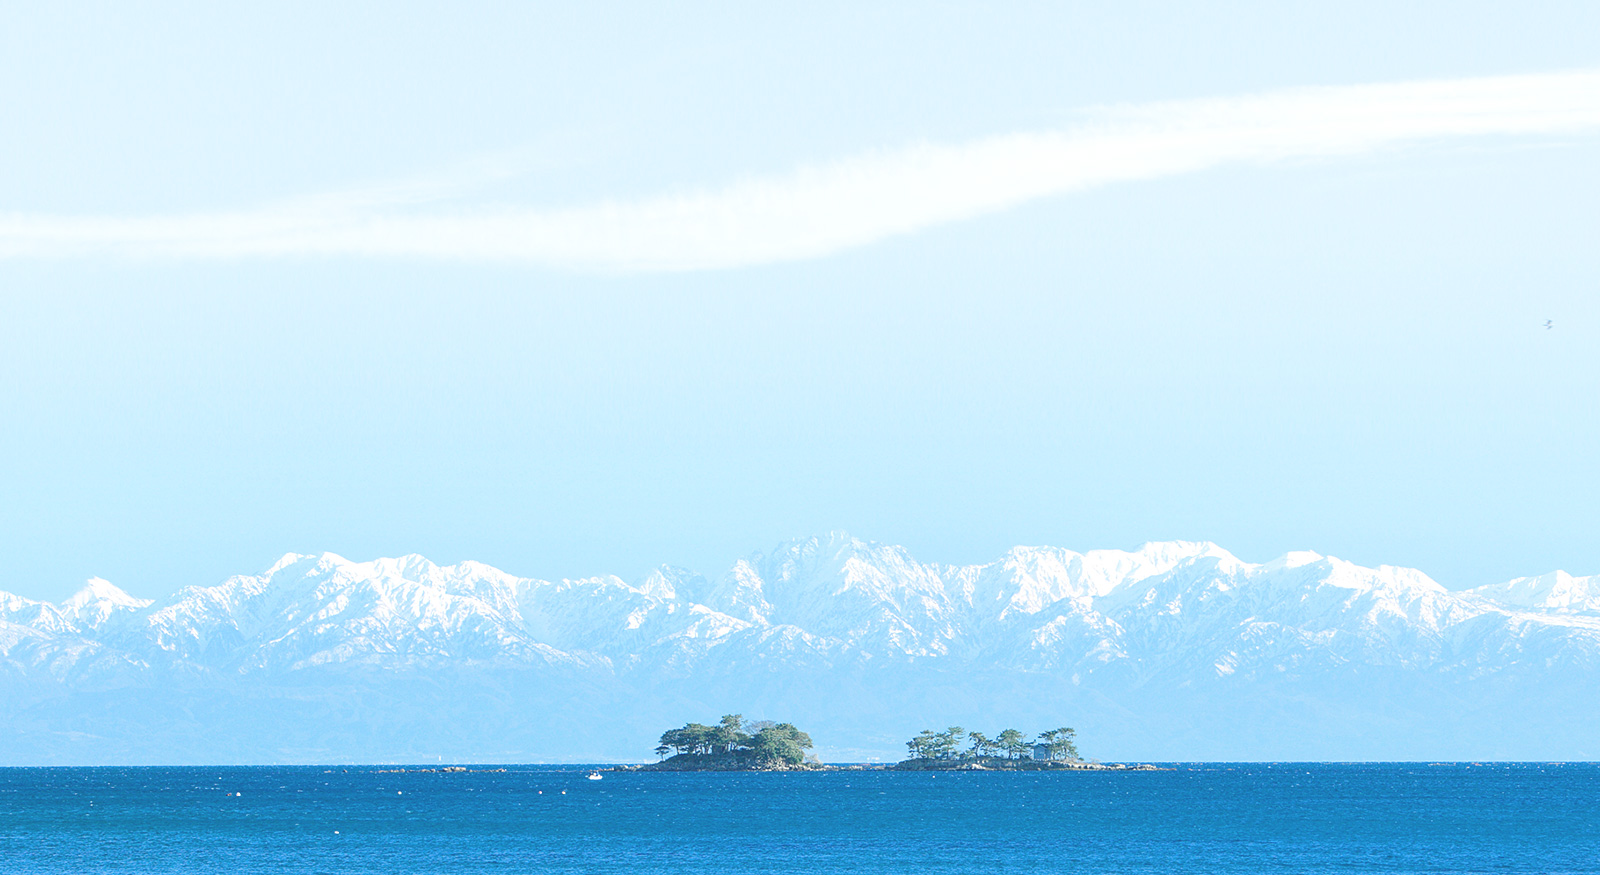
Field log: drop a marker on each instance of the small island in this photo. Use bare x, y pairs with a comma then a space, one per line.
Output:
734, 746
1008, 751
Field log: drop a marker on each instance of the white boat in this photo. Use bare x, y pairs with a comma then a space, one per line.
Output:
595, 776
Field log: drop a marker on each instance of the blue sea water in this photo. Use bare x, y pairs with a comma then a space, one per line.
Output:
1219, 818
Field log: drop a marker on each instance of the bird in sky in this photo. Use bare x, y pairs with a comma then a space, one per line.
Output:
1548, 324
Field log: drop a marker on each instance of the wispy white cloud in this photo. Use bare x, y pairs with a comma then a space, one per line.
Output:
827, 208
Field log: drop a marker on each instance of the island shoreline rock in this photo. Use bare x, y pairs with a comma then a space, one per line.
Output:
724, 764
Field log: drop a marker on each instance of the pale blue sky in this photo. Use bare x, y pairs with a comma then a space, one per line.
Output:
1343, 353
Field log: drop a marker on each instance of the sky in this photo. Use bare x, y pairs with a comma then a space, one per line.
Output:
581, 291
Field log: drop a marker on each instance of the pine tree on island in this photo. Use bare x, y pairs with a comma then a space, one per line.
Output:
733, 745
1008, 750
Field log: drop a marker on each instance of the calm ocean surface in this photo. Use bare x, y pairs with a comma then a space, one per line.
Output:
1206, 818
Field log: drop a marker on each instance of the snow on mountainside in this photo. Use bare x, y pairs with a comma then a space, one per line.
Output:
1556, 592
1177, 611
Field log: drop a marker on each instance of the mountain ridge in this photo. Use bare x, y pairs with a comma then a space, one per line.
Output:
865, 623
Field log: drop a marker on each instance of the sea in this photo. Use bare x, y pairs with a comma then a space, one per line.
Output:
1186, 818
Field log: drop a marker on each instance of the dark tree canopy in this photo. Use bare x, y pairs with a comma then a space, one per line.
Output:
1010, 744
756, 744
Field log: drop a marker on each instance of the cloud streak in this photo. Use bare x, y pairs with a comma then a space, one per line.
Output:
826, 208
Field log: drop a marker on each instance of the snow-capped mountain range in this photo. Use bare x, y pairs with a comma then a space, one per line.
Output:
1172, 608
849, 620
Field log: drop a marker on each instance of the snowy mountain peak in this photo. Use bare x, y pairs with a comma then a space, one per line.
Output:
1294, 559
287, 560
834, 544
664, 582
90, 607
98, 590
1556, 591
1173, 552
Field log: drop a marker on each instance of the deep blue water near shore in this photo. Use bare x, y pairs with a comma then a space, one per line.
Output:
1202, 818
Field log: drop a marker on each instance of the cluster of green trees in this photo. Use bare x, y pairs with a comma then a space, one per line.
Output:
759, 740
1009, 744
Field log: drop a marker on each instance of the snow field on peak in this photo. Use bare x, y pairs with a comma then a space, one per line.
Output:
1557, 592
